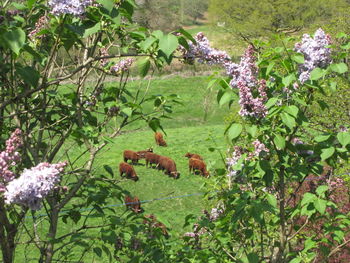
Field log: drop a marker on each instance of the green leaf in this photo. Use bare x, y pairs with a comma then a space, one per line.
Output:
322, 138
127, 111
271, 102
320, 205
327, 153
253, 258
29, 75
272, 200
333, 86
92, 30
234, 131
107, 4
226, 97
270, 67
280, 142
292, 110
288, 120
316, 74
30, 3
168, 44
339, 68
158, 34
289, 79
308, 198
98, 251
343, 138
187, 35
15, 39
154, 124
252, 130
144, 66
295, 260
147, 43
321, 190
298, 58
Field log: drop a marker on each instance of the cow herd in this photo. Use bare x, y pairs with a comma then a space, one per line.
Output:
156, 161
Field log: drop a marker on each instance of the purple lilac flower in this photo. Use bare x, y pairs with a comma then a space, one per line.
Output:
122, 66
204, 52
9, 157
245, 72
315, 52
231, 162
33, 185
259, 147
73, 7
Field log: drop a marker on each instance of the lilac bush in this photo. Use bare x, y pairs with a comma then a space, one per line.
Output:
122, 66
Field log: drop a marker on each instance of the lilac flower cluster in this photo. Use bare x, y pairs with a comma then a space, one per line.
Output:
315, 52
244, 77
251, 106
39, 25
204, 52
245, 72
259, 147
33, 185
73, 7
122, 66
233, 160
9, 158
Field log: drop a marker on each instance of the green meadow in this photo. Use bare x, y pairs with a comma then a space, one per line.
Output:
196, 125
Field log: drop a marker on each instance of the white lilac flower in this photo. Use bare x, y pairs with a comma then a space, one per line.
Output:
33, 185
259, 147
233, 160
315, 51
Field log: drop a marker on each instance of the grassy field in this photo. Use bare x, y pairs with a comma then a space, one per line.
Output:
189, 130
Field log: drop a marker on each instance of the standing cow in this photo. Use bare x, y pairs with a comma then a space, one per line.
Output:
193, 155
169, 166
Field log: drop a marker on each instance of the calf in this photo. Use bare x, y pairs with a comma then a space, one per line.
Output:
152, 158
131, 155
128, 170
153, 223
133, 203
193, 155
159, 139
196, 164
167, 164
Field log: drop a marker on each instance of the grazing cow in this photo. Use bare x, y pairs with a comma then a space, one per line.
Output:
159, 139
131, 155
196, 164
152, 158
133, 203
167, 164
153, 223
193, 155
128, 170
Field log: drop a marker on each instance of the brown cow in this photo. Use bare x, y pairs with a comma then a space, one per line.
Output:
131, 155
133, 203
159, 139
153, 223
193, 155
167, 164
128, 170
196, 164
152, 158
142, 154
